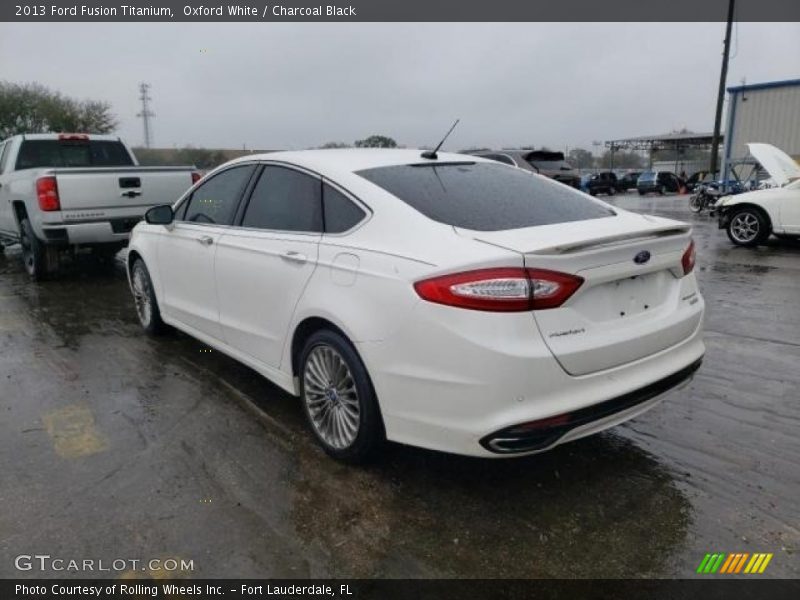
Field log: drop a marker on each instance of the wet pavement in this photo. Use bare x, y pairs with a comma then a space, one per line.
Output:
117, 445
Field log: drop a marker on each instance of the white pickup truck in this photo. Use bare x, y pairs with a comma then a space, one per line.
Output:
63, 192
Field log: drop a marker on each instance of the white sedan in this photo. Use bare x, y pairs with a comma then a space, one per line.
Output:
453, 303
750, 218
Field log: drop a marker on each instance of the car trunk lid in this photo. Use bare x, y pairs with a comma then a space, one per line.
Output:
634, 301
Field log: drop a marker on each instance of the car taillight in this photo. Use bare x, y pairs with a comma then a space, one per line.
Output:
196, 177
47, 193
500, 289
552, 288
688, 258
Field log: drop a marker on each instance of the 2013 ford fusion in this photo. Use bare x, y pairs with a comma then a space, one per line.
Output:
439, 300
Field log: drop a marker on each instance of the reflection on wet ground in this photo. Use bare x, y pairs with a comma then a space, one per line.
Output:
118, 445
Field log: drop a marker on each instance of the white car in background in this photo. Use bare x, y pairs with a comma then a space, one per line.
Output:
453, 302
750, 218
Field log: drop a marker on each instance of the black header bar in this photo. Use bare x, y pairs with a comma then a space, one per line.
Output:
395, 10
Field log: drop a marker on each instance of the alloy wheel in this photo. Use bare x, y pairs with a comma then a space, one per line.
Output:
141, 296
331, 397
744, 227
28, 258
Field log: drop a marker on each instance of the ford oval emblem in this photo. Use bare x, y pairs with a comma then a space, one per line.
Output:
642, 257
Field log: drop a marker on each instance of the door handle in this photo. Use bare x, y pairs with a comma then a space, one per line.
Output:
205, 240
130, 194
293, 256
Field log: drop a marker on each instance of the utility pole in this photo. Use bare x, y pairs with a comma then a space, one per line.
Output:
146, 113
723, 75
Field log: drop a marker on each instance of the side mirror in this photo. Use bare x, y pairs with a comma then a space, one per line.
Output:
160, 215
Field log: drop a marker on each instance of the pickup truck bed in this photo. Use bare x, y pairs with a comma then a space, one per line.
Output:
62, 192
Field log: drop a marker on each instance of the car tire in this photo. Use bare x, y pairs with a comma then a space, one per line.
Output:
662, 190
144, 298
641, 192
611, 191
748, 227
338, 398
39, 260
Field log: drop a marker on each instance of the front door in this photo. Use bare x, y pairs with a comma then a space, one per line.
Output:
187, 250
790, 208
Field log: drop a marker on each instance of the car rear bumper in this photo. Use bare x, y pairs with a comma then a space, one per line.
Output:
536, 436
114, 231
449, 381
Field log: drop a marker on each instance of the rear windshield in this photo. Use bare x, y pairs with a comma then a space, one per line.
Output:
72, 153
485, 196
647, 176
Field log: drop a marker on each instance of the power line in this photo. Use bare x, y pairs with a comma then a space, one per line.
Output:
145, 113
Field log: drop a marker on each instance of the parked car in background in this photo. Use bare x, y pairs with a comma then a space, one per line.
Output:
659, 182
444, 301
547, 163
62, 192
750, 217
604, 182
628, 181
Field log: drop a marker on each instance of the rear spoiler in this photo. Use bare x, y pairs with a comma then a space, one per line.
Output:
615, 240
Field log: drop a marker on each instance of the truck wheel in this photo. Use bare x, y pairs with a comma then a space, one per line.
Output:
144, 297
748, 227
39, 260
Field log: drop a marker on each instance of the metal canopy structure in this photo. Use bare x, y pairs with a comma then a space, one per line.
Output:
673, 145
667, 141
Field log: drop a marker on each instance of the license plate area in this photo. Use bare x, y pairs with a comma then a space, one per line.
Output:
626, 297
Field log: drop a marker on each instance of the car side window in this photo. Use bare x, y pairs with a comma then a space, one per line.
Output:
285, 200
341, 213
215, 201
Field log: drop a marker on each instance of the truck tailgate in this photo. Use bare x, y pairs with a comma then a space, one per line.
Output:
111, 189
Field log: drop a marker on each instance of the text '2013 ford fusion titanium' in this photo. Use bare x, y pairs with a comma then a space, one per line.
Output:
443, 301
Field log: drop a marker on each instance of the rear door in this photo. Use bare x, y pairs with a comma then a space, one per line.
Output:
264, 264
187, 249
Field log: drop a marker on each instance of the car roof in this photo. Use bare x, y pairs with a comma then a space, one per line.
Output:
350, 160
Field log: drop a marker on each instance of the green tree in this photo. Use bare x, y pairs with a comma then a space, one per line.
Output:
580, 158
376, 141
327, 145
33, 108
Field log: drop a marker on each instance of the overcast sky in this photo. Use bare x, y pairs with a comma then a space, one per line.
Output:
298, 85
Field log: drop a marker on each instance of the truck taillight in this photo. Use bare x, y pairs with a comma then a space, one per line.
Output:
507, 289
47, 192
689, 258
196, 176
73, 137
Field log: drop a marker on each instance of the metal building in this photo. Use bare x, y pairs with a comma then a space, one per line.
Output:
761, 112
